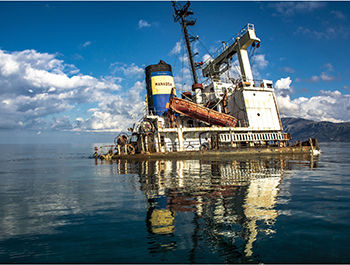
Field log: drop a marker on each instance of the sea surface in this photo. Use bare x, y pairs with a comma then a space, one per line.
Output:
60, 205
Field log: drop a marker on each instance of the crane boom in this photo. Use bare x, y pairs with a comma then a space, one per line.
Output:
240, 42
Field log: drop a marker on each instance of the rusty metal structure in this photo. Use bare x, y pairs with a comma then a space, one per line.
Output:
221, 117
195, 111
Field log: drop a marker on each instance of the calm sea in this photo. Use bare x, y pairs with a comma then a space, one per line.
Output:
59, 205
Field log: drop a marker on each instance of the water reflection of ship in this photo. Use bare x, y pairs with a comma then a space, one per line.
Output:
230, 203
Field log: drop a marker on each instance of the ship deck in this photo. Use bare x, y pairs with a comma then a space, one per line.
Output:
222, 152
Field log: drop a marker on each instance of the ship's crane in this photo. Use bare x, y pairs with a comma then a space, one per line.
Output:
237, 44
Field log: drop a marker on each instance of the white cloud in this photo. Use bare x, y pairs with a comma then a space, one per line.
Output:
327, 77
206, 57
133, 70
327, 33
78, 57
283, 83
143, 24
62, 123
283, 87
176, 49
288, 9
287, 107
260, 61
288, 70
127, 70
332, 94
34, 85
314, 79
87, 43
326, 106
184, 80
329, 66
114, 111
339, 14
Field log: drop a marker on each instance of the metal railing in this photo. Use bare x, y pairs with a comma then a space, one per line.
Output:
253, 137
230, 42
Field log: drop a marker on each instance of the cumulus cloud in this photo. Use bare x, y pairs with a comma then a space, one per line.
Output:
283, 88
283, 83
115, 112
326, 106
36, 85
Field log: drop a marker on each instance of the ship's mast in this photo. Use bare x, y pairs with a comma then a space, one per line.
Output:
182, 13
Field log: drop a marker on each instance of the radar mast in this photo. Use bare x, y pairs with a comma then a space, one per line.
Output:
182, 13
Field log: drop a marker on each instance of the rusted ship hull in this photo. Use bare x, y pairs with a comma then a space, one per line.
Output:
290, 150
222, 117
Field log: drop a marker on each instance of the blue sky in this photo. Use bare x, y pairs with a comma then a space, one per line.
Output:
74, 71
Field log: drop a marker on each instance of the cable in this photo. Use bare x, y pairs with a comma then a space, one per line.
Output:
177, 52
253, 55
202, 44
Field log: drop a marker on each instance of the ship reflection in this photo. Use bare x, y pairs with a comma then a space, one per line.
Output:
218, 206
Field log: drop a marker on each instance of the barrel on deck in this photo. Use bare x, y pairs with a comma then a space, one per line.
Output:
159, 82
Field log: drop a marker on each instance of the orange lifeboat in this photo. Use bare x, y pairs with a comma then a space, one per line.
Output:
199, 112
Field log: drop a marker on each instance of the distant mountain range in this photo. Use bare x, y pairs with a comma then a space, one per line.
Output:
324, 131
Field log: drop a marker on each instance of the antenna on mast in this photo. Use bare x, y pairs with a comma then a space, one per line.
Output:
182, 13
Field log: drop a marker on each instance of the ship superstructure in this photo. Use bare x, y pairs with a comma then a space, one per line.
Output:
218, 117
